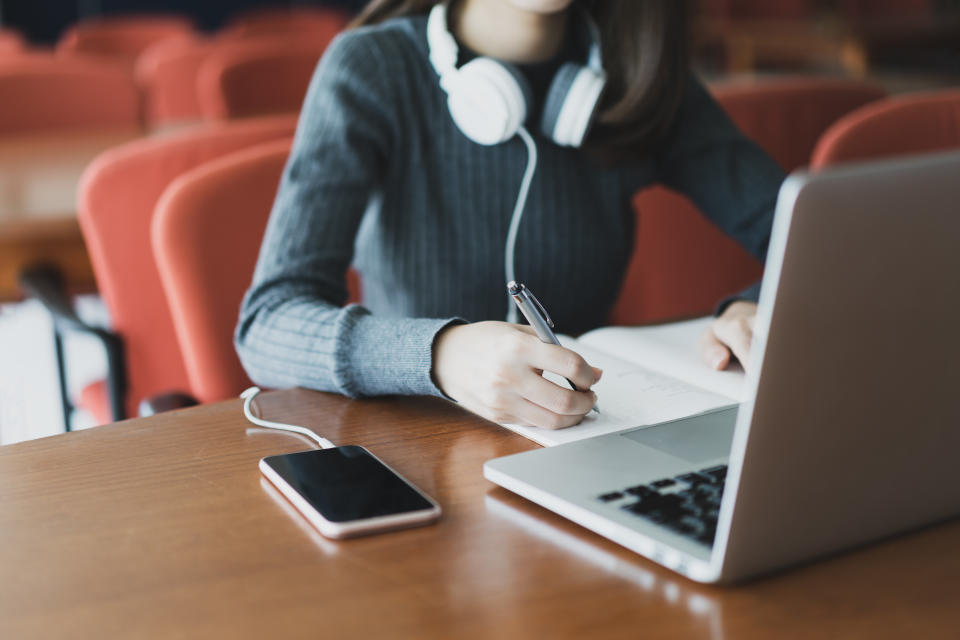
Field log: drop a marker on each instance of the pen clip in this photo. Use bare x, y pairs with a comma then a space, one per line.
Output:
540, 309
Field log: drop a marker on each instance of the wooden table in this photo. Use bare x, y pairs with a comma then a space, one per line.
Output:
162, 527
39, 174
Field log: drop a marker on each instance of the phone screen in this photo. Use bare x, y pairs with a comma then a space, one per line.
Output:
347, 483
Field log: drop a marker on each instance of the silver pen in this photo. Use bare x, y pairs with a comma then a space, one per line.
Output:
538, 318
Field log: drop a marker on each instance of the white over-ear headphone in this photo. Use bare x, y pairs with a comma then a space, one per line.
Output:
489, 99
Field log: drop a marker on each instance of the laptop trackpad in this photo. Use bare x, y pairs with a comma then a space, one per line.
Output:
697, 439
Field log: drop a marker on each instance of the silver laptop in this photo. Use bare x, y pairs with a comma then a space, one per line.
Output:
852, 427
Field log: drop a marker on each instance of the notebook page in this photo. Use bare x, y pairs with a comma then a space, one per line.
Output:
628, 396
670, 349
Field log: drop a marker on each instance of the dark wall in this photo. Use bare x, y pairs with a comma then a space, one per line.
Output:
43, 21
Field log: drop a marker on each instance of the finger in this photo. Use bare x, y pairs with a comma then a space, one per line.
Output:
736, 335
500, 416
557, 399
535, 415
713, 352
597, 372
563, 362
525, 328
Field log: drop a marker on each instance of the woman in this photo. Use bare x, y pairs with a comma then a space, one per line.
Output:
380, 166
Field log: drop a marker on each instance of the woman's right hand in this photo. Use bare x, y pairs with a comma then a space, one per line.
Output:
495, 370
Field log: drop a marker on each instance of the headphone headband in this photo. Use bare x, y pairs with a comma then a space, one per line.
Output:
443, 46
489, 99
444, 49
595, 53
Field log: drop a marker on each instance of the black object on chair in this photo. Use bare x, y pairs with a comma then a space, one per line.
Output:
46, 284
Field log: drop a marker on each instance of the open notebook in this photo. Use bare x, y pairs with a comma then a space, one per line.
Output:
650, 375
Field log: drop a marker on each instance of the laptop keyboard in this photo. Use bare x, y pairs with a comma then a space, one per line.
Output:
687, 504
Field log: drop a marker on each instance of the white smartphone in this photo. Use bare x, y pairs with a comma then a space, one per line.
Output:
347, 491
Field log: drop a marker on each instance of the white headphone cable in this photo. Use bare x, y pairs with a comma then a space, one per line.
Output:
517, 215
252, 393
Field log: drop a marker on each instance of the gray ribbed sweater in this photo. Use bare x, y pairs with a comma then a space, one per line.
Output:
379, 176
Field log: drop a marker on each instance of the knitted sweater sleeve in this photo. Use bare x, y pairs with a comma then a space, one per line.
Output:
732, 180
293, 329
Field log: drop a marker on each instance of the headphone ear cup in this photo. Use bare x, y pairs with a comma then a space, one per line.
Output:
570, 104
488, 100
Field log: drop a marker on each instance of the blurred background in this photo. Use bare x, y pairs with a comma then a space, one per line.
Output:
106, 104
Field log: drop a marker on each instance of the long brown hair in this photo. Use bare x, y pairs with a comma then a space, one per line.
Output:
645, 56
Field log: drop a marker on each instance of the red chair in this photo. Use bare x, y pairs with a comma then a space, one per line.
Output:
123, 38
322, 23
40, 92
257, 77
206, 236
683, 265
167, 73
117, 197
170, 74
787, 116
11, 42
916, 123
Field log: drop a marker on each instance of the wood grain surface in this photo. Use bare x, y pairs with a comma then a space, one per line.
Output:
162, 528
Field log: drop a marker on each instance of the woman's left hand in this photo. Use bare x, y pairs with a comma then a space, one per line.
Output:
729, 336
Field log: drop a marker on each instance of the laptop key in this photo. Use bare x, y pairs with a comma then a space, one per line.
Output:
692, 478
610, 497
685, 527
641, 508
716, 474
671, 501
709, 491
692, 524
719, 467
690, 510
657, 516
642, 490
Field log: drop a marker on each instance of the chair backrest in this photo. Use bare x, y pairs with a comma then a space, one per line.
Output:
917, 123
321, 22
787, 116
117, 197
11, 42
42, 92
167, 73
122, 37
682, 265
257, 77
206, 237
251, 75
